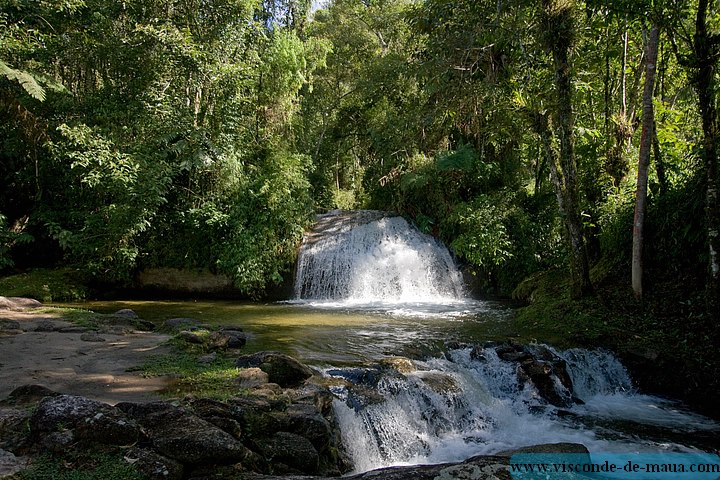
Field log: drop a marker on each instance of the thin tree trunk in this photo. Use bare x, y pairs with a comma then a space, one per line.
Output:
706, 64
648, 123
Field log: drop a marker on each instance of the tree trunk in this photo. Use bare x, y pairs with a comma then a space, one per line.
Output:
705, 46
648, 122
559, 33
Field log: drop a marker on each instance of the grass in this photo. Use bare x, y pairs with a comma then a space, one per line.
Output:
81, 466
45, 285
216, 379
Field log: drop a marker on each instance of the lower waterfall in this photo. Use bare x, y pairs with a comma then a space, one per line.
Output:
473, 402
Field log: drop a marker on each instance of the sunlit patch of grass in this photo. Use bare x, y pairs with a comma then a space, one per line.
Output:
216, 379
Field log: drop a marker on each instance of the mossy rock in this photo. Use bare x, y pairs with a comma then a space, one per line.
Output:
45, 285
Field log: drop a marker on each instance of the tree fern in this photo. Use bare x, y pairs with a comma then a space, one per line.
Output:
26, 80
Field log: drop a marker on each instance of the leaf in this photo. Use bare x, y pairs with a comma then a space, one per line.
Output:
25, 79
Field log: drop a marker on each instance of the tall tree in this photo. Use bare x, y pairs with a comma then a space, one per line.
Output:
648, 124
558, 35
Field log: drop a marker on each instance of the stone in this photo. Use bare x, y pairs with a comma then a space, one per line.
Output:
45, 326
306, 421
281, 369
187, 438
18, 303
227, 339
154, 466
91, 420
207, 359
401, 364
542, 373
10, 464
9, 325
252, 378
13, 428
28, 395
191, 337
292, 450
181, 323
91, 337
126, 312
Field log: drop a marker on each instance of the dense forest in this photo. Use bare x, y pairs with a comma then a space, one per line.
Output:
567, 135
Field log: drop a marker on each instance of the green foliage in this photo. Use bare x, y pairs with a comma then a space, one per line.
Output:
484, 240
45, 285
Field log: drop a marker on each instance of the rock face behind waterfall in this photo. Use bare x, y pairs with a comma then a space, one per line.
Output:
368, 256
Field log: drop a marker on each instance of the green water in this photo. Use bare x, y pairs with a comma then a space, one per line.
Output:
330, 336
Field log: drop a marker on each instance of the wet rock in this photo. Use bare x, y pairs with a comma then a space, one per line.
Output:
306, 421
91, 337
562, 447
90, 420
154, 466
440, 382
369, 377
400, 364
542, 374
281, 369
291, 450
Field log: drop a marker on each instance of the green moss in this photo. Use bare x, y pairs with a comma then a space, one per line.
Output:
45, 285
88, 466
216, 379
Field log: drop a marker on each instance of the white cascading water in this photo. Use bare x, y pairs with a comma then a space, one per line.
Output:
456, 407
381, 260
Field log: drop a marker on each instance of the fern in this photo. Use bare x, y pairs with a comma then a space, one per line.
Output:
26, 80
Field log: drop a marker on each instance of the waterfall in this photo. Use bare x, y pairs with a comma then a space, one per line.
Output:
366, 257
472, 402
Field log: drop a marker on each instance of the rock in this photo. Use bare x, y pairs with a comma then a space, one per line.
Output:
90, 420
154, 466
281, 369
542, 374
181, 323
10, 464
18, 303
91, 337
58, 442
191, 337
252, 378
28, 395
207, 359
562, 447
45, 326
440, 382
306, 421
226, 339
401, 364
187, 438
9, 325
126, 312
13, 428
292, 450
74, 329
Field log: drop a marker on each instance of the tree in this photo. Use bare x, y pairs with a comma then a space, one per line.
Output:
558, 34
648, 125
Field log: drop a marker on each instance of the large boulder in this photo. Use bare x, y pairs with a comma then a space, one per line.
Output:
89, 420
290, 453
183, 436
154, 466
281, 369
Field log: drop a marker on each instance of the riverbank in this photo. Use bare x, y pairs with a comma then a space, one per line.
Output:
667, 342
